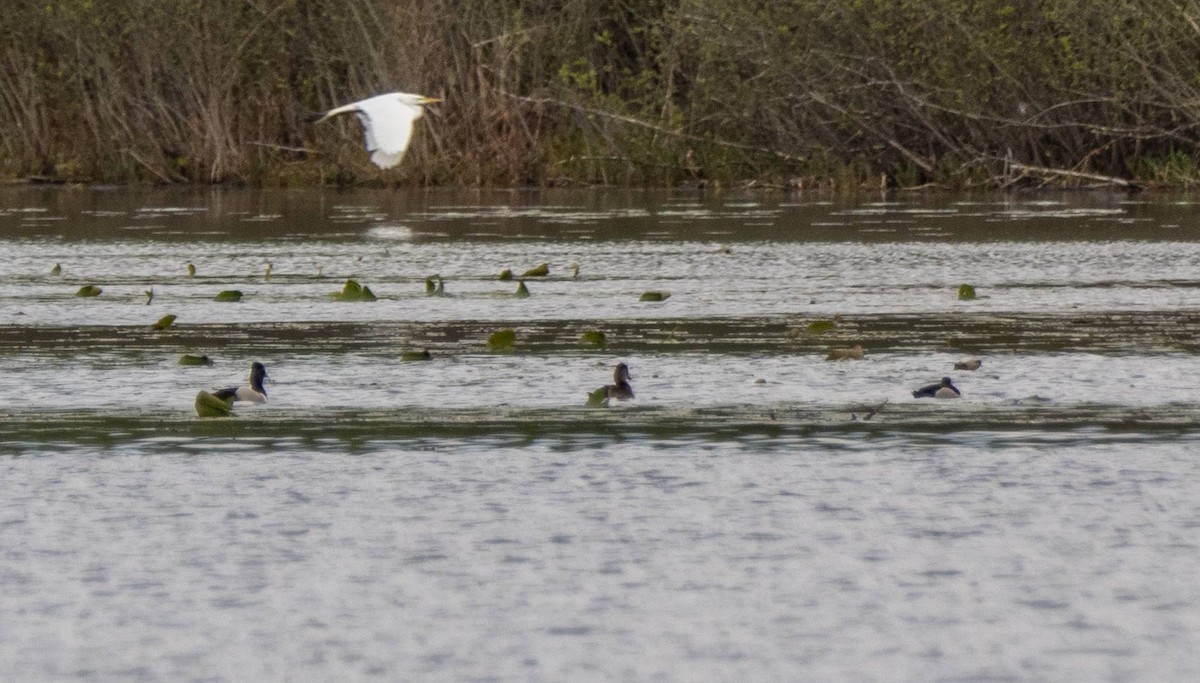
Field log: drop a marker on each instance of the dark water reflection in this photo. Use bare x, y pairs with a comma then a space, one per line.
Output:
181, 214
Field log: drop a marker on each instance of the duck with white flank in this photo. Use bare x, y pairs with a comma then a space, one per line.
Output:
254, 393
968, 364
943, 389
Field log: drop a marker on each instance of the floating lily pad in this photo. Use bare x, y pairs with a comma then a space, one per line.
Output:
597, 398
191, 269
352, 291
505, 275
416, 355
193, 359
502, 340
56, 270
966, 292
89, 290
164, 322
540, 270
821, 326
522, 291
267, 274
208, 405
229, 295
434, 286
654, 296
593, 338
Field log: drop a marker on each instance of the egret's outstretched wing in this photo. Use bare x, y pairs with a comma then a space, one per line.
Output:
387, 122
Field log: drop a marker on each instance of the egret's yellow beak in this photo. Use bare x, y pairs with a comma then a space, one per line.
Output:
430, 100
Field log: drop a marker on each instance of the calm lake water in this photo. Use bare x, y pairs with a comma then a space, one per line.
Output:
756, 513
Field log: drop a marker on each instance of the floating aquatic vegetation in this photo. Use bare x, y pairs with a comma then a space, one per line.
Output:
89, 290
434, 286
191, 269
574, 270
352, 291
597, 398
193, 359
853, 353
416, 355
267, 274
821, 326
593, 338
149, 295
163, 322
502, 340
208, 405
229, 295
966, 292
505, 275
654, 296
522, 291
56, 270
540, 270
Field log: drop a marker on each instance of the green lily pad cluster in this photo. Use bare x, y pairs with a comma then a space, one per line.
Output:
540, 270
966, 292
821, 326
434, 286
593, 338
208, 405
352, 291
164, 322
654, 296
191, 359
229, 295
89, 290
597, 398
522, 291
416, 355
502, 340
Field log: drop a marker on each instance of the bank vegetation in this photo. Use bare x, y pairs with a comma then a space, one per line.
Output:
787, 93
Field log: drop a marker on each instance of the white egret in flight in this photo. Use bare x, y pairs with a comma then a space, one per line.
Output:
387, 122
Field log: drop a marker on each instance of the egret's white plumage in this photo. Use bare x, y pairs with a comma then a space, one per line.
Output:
387, 122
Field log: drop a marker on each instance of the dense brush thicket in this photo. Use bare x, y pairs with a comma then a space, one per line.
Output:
632, 91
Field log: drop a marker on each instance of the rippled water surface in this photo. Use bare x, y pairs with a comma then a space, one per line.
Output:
756, 513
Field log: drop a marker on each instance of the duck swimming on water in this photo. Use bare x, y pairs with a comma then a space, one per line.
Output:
943, 389
621, 389
254, 393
